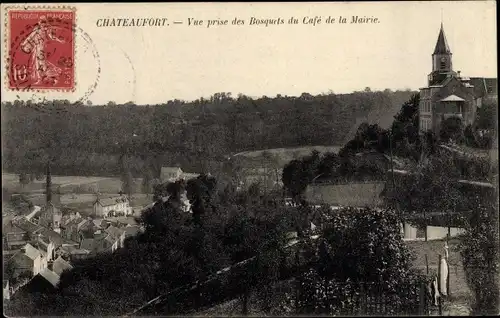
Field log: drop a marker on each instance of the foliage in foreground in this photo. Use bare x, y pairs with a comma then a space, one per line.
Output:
361, 248
176, 249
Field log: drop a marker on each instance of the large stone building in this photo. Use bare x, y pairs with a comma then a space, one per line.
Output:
448, 93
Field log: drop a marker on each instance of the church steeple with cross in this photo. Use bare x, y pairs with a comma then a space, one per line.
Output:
442, 66
449, 94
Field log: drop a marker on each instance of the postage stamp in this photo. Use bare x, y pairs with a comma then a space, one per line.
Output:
41, 49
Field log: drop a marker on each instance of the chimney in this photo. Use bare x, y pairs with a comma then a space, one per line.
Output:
458, 74
48, 188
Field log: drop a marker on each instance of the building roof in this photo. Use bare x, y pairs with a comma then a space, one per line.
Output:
132, 230
114, 232
73, 250
60, 265
97, 222
42, 244
442, 46
110, 239
30, 251
54, 237
89, 244
10, 227
26, 225
484, 86
452, 98
111, 201
50, 276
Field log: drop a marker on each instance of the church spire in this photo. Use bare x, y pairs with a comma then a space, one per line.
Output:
48, 186
442, 44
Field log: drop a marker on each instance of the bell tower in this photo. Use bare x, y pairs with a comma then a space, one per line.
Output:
442, 66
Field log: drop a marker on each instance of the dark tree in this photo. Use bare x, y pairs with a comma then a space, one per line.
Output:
452, 129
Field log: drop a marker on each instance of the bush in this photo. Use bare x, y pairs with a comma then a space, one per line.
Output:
452, 129
361, 246
480, 256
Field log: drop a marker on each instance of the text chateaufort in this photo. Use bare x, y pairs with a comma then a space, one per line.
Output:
364, 19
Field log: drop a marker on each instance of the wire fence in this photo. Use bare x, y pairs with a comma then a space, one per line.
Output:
362, 298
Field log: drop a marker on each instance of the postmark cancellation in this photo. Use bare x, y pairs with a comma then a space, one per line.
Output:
40, 46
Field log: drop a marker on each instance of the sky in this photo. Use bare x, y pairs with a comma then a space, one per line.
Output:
149, 65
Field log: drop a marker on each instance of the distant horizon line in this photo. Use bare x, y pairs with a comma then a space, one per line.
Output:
233, 96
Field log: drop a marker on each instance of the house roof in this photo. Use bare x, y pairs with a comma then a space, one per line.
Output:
42, 244
50, 276
132, 230
484, 86
30, 251
111, 201
442, 46
114, 232
97, 222
10, 227
82, 223
74, 221
89, 244
54, 237
351, 194
452, 98
71, 249
26, 225
60, 265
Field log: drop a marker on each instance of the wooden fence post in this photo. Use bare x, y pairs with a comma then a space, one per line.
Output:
427, 264
421, 310
439, 288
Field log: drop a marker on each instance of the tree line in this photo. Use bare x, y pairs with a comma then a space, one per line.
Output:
401, 140
197, 135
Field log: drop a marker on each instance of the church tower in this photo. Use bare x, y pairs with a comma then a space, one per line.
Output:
442, 66
52, 214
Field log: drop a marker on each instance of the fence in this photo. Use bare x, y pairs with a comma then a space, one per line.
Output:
348, 299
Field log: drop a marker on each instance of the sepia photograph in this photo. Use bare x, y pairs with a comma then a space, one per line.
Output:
250, 159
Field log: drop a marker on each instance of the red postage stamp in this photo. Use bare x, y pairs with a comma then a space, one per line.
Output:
41, 49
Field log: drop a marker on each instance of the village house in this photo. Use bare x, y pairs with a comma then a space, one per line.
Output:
101, 242
45, 246
6, 289
449, 94
104, 207
13, 237
170, 174
27, 262
131, 230
45, 281
116, 234
73, 253
78, 228
60, 265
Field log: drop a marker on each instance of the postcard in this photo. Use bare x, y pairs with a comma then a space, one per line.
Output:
278, 159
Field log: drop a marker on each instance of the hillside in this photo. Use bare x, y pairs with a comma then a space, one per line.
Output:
195, 135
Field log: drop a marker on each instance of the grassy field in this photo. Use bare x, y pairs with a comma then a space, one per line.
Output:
68, 184
76, 192
285, 155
